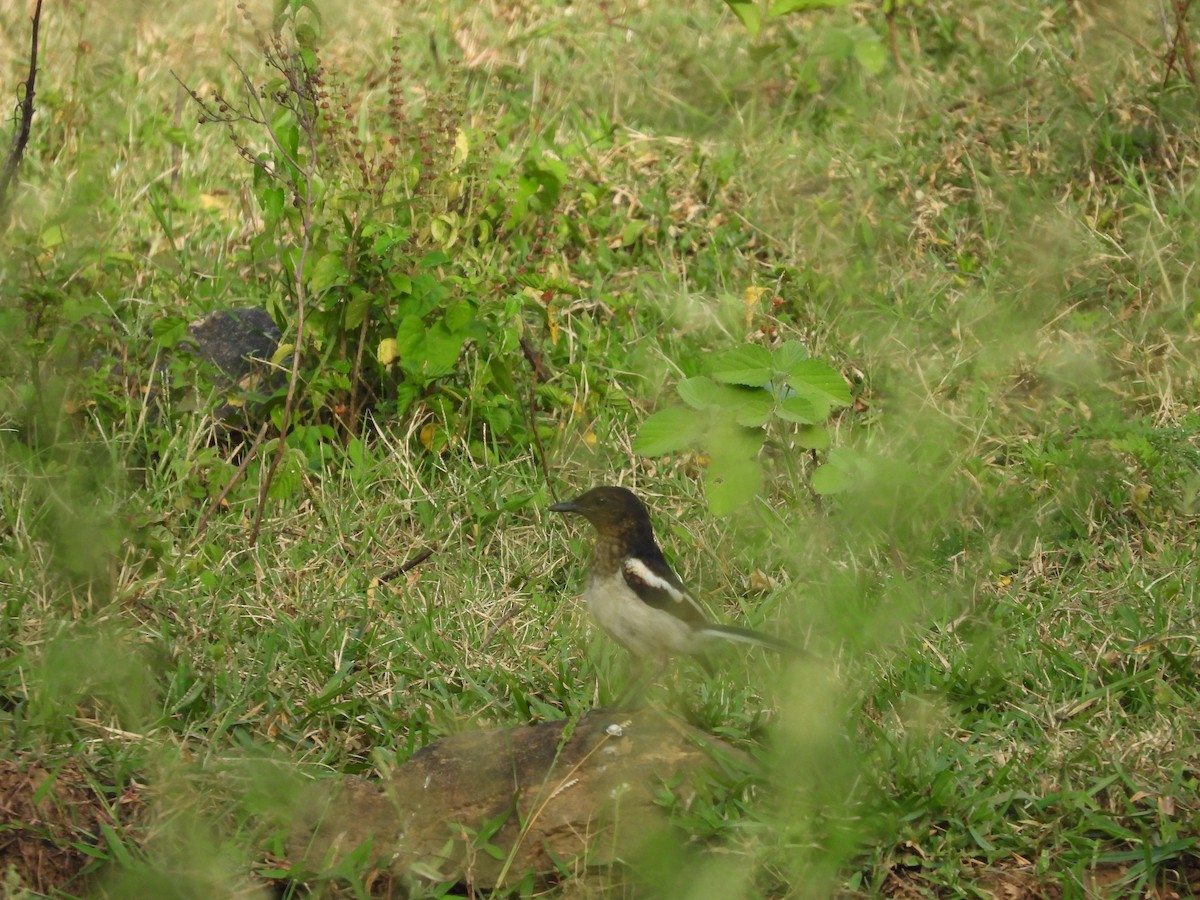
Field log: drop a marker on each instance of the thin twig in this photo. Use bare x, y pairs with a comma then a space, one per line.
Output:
305, 242
21, 138
410, 563
237, 476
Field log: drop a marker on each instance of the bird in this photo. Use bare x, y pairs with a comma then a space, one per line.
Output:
635, 596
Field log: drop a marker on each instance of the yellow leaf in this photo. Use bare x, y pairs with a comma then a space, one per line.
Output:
462, 148
589, 438
282, 352
388, 352
212, 201
750, 298
428, 434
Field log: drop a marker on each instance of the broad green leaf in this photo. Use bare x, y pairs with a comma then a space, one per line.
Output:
439, 352
702, 392
749, 14
169, 330
730, 482
816, 379
503, 378
748, 364
329, 270
812, 437
357, 308
830, 479
787, 355
287, 476
52, 237
409, 335
802, 410
271, 199
668, 431
755, 409
459, 315
725, 439
498, 418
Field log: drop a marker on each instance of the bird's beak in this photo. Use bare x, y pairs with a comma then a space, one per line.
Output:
565, 506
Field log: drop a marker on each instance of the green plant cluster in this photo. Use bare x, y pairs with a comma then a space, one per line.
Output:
379, 229
752, 393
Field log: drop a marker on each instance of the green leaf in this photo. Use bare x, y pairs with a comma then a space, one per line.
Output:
409, 335
755, 409
748, 364
271, 199
459, 315
499, 419
870, 53
802, 410
329, 270
820, 381
787, 355
288, 475
357, 308
730, 482
812, 437
169, 330
702, 392
503, 377
830, 479
725, 438
668, 431
749, 14
439, 352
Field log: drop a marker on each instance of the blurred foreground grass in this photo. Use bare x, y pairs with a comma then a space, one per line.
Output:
995, 243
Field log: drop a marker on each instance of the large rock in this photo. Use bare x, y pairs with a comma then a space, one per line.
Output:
238, 342
487, 807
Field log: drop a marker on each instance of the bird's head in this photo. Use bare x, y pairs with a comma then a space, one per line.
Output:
612, 510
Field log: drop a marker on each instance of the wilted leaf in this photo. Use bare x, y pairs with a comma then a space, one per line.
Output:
388, 352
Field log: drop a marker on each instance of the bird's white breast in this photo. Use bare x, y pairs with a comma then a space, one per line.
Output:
641, 629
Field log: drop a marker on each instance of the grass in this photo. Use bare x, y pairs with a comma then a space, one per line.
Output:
996, 244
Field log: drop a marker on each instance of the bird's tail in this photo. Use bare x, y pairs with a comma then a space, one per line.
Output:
750, 636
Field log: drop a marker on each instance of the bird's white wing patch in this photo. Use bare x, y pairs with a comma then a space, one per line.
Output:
643, 573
